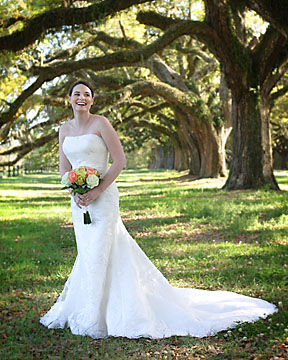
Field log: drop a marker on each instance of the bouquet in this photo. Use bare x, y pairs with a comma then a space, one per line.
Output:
81, 180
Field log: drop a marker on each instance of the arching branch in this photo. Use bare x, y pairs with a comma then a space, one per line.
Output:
157, 128
277, 94
139, 114
117, 59
273, 78
5, 23
155, 64
24, 149
214, 35
56, 18
275, 12
8, 116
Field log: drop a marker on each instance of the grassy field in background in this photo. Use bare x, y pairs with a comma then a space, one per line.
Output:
195, 233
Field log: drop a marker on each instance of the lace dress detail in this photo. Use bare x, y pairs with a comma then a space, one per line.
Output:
115, 290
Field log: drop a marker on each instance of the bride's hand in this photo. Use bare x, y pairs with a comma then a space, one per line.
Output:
87, 198
78, 200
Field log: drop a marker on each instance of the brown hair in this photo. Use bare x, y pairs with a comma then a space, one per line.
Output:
83, 83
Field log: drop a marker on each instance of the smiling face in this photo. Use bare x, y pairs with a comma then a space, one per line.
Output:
81, 98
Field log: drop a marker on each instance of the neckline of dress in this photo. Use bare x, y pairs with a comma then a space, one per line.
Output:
74, 136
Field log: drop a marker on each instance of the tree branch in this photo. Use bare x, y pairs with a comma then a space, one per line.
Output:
152, 109
188, 101
109, 82
114, 41
157, 128
268, 53
41, 125
118, 59
56, 18
214, 32
275, 12
72, 51
9, 115
155, 64
273, 78
275, 95
24, 149
5, 23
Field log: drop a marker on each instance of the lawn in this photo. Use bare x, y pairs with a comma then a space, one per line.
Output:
195, 233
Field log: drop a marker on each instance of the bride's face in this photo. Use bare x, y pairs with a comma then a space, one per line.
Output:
81, 98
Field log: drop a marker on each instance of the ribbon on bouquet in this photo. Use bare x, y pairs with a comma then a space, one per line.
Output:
87, 218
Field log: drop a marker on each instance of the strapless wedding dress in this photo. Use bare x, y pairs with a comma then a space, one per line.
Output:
115, 290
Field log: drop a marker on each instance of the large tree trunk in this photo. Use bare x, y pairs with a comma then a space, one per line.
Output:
188, 141
162, 158
284, 161
181, 161
206, 145
268, 175
212, 150
251, 165
210, 147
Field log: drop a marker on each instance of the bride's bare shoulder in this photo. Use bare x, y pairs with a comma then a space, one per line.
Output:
100, 118
102, 124
102, 121
67, 125
65, 128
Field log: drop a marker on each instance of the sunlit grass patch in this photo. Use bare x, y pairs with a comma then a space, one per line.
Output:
197, 234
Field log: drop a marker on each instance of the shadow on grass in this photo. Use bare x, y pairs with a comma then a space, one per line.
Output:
30, 253
34, 201
44, 178
180, 178
282, 179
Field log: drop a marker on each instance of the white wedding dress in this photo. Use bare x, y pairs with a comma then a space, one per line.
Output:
115, 290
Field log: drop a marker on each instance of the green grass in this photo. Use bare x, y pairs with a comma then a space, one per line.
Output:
197, 235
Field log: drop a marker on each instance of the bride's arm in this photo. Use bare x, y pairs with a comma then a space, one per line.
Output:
115, 149
64, 163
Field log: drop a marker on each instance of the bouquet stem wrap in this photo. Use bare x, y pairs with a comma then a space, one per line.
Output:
87, 218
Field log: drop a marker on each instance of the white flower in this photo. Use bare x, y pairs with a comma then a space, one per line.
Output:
65, 180
92, 181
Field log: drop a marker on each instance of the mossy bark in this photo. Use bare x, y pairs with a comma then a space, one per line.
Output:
205, 145
251, 166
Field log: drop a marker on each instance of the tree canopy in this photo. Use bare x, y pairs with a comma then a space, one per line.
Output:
169, 71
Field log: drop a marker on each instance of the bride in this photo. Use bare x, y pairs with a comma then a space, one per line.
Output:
113, 288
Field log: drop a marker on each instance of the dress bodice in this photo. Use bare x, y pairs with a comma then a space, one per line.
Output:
86, 150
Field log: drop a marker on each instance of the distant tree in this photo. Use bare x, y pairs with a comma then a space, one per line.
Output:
279, 121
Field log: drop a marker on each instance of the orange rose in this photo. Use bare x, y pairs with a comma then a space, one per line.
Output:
89, 171
72, 176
